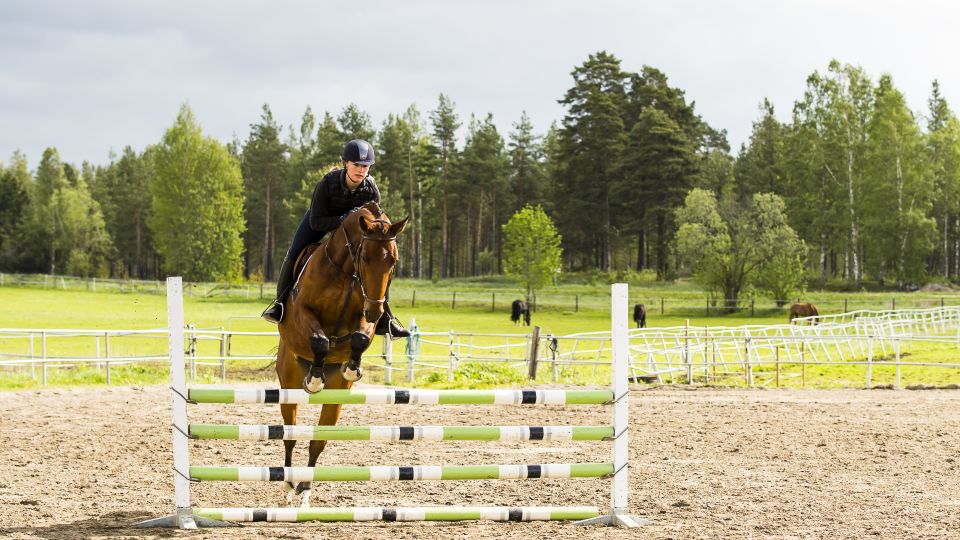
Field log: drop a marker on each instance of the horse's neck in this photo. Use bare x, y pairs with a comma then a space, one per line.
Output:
336, 251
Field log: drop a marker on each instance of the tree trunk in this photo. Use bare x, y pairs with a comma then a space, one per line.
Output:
414, 250
902, 248
265, 266
138, 265
641, 249
661, 246
854, 230
823, 260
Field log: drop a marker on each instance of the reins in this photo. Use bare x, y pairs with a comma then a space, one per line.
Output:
354, 277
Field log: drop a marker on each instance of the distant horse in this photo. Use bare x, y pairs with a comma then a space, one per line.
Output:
332, 312
518, 308
640, 315
805, 310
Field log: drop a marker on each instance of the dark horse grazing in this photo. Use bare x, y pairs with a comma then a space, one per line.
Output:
518, 308
332, 312
640, 315
804, 310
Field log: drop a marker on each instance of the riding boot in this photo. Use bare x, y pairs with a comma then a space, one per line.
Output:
274, 312
388, 324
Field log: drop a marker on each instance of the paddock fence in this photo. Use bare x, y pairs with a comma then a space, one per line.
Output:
881, 345
406, 294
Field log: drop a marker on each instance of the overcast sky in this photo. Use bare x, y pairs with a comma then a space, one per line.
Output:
89, 77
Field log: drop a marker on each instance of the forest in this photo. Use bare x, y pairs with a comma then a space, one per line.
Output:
861, 188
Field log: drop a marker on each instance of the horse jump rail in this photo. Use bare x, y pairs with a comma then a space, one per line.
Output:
409, 396
400, 433
438, 513
187, 517
394, 473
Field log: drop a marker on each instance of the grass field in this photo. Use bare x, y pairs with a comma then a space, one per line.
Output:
75, 308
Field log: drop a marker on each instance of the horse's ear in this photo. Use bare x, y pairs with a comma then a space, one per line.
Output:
398, 227
364, 224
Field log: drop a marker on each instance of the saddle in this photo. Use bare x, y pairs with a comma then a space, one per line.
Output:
300, 264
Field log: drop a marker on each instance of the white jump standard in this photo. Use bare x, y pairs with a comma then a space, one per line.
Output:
187, 517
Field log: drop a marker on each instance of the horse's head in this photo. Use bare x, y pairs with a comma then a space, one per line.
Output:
374, 239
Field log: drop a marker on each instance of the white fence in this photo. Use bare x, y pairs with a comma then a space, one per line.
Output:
674, 354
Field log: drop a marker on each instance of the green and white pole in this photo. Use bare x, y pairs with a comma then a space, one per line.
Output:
401, 433
183, 517
402, 473
402, 396
436, 513
619, 512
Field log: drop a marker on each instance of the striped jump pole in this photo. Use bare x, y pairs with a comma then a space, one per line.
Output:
401, 433
186, 517
438, 513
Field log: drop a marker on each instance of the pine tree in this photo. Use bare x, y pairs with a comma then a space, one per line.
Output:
15, 208
660, 163
591, 144
943, 151
264, 167
759, 167
445, 124
528, 176
897, 199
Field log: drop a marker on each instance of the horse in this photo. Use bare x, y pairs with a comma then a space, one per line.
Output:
640, 315
518, 308
805, 310
332, 312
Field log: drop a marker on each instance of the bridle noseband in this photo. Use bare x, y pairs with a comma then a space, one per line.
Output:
355, 258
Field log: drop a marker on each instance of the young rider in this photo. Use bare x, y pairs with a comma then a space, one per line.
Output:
340, 192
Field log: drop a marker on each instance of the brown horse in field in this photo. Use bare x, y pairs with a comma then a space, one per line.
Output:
332, 313
804, 310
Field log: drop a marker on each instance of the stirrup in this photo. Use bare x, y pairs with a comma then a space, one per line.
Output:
270, 314
396, 330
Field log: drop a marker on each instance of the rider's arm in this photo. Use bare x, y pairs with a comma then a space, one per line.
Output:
376, 192
320, 218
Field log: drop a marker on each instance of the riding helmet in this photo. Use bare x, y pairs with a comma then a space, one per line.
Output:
358, 151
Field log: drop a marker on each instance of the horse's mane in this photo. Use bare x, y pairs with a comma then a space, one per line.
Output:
372, 207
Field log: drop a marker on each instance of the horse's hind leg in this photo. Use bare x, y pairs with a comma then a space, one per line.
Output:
289, 373
289, 413
329, 415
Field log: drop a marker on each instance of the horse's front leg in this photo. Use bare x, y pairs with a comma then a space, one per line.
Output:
359, 342
320, 346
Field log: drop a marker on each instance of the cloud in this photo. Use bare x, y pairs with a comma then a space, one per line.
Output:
92, 76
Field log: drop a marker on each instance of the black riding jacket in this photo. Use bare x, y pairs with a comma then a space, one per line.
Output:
332, 200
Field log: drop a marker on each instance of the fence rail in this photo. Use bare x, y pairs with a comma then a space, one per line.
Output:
686, 303
751, 354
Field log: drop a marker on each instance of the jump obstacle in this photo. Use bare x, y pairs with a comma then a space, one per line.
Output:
187, 517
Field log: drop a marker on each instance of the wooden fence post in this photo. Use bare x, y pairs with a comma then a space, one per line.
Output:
534, 349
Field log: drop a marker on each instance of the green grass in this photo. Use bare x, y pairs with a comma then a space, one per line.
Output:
482, 307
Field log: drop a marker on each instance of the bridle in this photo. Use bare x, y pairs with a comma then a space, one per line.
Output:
355, 257
355, 276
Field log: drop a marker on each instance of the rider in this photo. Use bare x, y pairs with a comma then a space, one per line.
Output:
340, 192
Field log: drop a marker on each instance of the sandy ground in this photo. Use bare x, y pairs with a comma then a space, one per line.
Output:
90, 462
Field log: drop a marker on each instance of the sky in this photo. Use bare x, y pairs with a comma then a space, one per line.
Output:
91, 77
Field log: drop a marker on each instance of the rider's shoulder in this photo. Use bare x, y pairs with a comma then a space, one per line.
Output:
332, 176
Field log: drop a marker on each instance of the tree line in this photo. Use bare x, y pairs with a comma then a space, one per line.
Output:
855, 186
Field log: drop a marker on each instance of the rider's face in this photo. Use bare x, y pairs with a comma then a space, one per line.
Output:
356, 172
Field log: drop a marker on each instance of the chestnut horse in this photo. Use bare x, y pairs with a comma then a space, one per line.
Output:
331, 315
804, 310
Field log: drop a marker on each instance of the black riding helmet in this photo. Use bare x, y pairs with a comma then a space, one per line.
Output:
358, 151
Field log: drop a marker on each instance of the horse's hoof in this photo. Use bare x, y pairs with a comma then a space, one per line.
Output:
305, 499
291, 492
311, 384
351, 375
